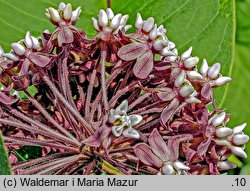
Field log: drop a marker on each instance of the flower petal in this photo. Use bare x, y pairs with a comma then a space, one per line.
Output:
145, 154
132, 51
158, 145
144, 65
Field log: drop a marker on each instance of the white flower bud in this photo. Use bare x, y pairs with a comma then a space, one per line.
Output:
240, 139
204, 67
194, 75
186, 90
11, 56
95, 24
102, 18
153, 33
166, 52
221, 81
75, 15
191, 62
238, 151
159, 45
186, 54
36, 43
67, 12
171, 45
127, 27
171, 58
110, 13
28, 41
18, 49
175, 51
180, 166
139, 21
239, 128
167, 169
223, 132
1, 51
115, 22
124, 20
225, 165
192, 99
148, 25
55, 17
222, 142
180, 79
219, 119
61, 6
214, 71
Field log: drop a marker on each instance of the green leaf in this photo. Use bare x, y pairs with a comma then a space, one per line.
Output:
4, 161
237, 99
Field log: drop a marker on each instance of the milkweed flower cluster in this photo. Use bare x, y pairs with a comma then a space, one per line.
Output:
119, 102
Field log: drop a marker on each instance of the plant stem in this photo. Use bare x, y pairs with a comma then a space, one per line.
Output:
87, 127
103, 77
49, 118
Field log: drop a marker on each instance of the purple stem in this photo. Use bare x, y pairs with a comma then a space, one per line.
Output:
43, 131
46, 143
49, 118
87, 126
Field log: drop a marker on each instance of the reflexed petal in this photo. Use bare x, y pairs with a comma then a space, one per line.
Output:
135, 119
39, 59
158, 145
144, 65
145, 154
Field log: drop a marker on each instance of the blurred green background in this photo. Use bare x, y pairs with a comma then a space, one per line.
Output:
218, 30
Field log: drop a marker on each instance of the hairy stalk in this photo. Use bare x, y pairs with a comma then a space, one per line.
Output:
121, 92
45, 132
70, 160
48, 117
138, 101
39, 168
37, 161
103, 77
89, 95
30, 141
87, 127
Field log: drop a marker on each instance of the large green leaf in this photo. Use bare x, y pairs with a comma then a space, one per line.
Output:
4, 161
237, 100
